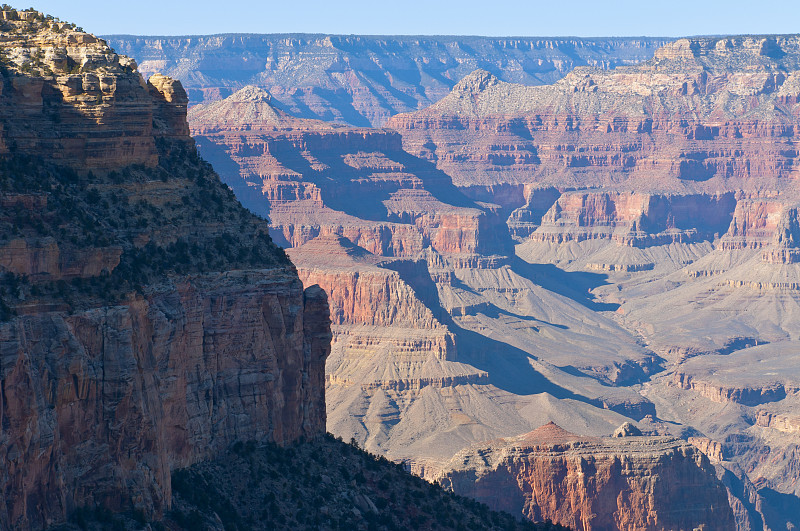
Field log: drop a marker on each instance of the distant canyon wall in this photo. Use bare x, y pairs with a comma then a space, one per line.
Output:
363, 80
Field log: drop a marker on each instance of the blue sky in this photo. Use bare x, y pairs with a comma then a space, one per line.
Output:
429, 17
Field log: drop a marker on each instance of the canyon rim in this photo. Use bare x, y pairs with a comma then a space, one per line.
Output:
556, 277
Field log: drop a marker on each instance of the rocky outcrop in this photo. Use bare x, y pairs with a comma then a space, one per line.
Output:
101, 406
384, 335
636, 220
711, 448
594, 483
44, 259
147, 321
363, 80
720, 392
68, 94
784, 423
303, 175
363, 289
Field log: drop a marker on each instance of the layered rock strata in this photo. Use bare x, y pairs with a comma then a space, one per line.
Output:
304, 175
147, 321
363, 80
67, 93
594, 483
710, 116
395, 245
654, 207
100, 406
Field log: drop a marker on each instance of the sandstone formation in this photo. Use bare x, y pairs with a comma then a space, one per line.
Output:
676, 181
147, 322
594, 483
363, 80
66, 93
654, 278
411, 267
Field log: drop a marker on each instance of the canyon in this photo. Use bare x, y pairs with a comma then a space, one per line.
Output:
560, 278
617, 246
363, 80
153, 338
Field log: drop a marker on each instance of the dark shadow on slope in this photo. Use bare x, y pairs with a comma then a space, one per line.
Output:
380, 79
510, 370
342, 101
781, 511
229, 172
415, 273
509, 367
574, 371
494, 312
575, 285
362, 192
739, 490
435, 181
296, 106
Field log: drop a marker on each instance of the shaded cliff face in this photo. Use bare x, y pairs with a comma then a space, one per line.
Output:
364, 80
594, 483
147, 320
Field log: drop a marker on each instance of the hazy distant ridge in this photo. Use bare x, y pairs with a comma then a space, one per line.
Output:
362, 80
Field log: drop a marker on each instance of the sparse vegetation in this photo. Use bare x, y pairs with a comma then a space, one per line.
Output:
258, 487
305, 486
202, 229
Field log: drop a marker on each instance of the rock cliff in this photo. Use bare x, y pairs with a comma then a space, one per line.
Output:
147, 321
304, 174
411, 267
67, 93
362, 80
654, 278
594, 483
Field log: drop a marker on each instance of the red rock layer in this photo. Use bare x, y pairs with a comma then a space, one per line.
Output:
305, 176
647, 483
101, 405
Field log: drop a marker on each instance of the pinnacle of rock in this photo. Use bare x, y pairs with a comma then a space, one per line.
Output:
251, 93
476, 82
627, 430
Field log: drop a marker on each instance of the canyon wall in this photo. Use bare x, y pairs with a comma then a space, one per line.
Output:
363, 80
594, 483
147, 321
620, 245
158, 383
